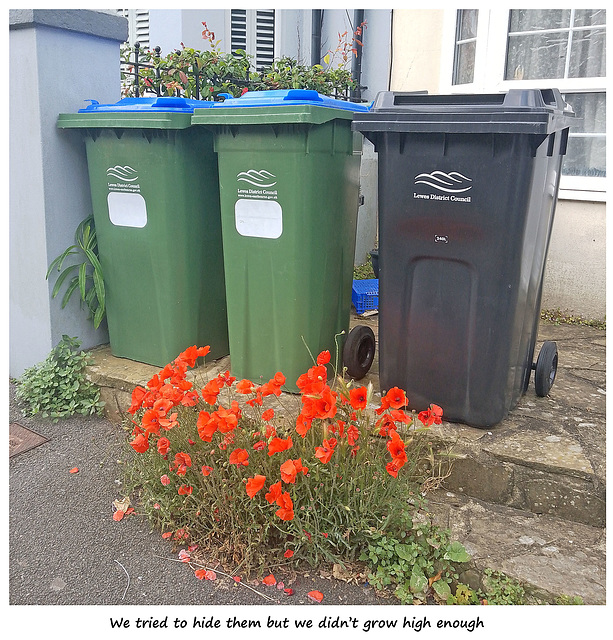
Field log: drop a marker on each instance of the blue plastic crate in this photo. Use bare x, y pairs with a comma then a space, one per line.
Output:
365, 295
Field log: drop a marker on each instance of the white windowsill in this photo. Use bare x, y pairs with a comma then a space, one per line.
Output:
585, 196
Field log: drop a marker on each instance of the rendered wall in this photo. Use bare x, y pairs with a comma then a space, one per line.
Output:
58, 59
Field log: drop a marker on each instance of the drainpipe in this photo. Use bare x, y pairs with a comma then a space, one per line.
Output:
317, 17
356, 63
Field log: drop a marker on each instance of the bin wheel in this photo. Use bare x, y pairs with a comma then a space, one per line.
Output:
546, 368
359, 351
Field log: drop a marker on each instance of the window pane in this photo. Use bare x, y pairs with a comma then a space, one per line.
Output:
533, 57
586, 154
539, 19
465, 63
590, 17
467, 23
587, 54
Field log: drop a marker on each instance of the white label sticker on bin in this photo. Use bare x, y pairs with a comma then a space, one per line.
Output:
258, 218
127, 209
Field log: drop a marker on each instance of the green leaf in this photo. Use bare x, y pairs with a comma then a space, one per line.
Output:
418, 581
74, 283
457, 553
60, 280
442, 589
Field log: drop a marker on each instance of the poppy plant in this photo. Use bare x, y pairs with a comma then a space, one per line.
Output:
276, 445
358, 397
433, 415
324, 453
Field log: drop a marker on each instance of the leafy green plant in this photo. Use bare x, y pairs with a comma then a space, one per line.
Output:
57, 387
225, 73
415, 558
84, 277
499, 588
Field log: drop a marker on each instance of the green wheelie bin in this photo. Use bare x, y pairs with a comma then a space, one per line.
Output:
155, 198
289, 182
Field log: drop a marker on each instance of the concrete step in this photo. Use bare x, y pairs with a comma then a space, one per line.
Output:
548, 555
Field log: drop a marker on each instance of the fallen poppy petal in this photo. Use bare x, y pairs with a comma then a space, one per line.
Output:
74, 470
288, 554
288, 592
316, 596
280, 586
200, 574
269, 580
236, 578
210, 575
166, 535
118, 515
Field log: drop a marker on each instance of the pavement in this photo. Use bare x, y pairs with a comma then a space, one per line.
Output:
526, 497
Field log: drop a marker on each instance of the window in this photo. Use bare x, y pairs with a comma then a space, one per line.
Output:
253, 31
138, 25
465, 46
499, 49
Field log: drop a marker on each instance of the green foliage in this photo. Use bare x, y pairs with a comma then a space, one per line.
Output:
230, 73
569, 600
87, 277
500, 589
417, 559
57, 387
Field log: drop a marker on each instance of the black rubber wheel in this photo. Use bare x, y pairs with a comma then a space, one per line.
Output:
546, 368
359, 351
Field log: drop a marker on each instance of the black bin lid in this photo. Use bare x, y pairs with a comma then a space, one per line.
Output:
535, 111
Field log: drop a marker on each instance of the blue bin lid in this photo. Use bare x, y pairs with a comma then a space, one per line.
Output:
155, 104
286, 97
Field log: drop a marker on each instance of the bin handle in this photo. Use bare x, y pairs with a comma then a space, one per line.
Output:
303, 94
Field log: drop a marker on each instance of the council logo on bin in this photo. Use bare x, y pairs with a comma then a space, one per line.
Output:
260, 178
452, 182
125, 173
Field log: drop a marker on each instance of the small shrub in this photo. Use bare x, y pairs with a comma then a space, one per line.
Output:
57, 387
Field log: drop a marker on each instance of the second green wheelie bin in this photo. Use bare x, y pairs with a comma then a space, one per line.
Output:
289, 181
155, 198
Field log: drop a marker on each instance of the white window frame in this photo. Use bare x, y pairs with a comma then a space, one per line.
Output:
490, 58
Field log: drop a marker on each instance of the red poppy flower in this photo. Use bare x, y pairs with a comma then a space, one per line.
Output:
211, 391
137, 399
324, 453
191, 354
290, 468
288, 554
313, 381
165, 480
316, 596
303, 424
323, 357
433, 415
353, 433
268, 415
395, 445
140, 444
151, 421
244, 386
358, 397
274, 492
225, 420
394, 398
239, 457
185, 490
260, 445
163, 446
269, 580
278, 444
386, 425
286, 507
169, 422
393, 467
181, 462
226, 379
190, 399
254, 485
206, 471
